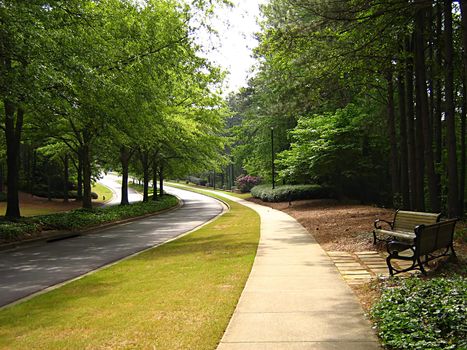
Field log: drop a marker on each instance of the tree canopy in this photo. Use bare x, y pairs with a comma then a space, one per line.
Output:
368, 97
104, 83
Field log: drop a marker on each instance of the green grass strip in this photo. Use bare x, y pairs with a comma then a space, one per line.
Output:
180, 295
193, 187
102, 192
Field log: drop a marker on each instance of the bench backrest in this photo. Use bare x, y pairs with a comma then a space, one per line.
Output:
436, 236
407, 220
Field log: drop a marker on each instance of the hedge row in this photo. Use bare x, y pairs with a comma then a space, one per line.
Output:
423, 314
80, 218
289, 192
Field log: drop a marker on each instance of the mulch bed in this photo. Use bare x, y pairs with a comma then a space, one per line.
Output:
337, 226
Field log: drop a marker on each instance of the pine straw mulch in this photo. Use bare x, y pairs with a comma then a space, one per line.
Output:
337, 226
347, 226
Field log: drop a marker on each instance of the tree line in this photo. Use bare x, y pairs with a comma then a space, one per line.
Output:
113, 83
368, 97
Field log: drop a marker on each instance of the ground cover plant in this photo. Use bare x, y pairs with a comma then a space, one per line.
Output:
285, 193
420, 314
177, 296
78, 219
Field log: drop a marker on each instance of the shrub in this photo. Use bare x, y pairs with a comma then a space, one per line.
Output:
54, 194
10, 231
197, 181
423, 314
289, 192
94, 195
2, 197
246, 182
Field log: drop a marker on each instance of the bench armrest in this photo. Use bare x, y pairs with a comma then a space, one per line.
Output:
378, 226
394, 247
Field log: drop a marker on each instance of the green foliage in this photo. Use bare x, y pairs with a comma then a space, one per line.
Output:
81, 218
2, 196
421, 314
342, 149
10, 231
289, 192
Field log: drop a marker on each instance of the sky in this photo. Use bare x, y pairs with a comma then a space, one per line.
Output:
232, 49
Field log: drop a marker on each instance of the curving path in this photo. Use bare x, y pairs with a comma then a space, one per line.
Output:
113, 182
30, 269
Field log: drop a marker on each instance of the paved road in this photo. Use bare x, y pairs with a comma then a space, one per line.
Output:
113, 182
27, 270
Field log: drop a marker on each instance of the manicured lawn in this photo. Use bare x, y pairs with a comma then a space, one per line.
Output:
238, 195
103, 192
140, 188
176, 296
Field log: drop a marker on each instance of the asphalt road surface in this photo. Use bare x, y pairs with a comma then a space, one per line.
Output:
113, 182
27, 270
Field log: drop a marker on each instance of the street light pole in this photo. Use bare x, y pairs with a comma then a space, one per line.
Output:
272, 158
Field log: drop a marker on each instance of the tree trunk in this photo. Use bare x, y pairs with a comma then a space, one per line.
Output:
395, 185
438, 91
49, 180
403, 143
453, 198
412, 164
463, 4
145, 164
1, 176
33, 170
66, 175
87, 200
161, 179
423, 110
13, 128
79, 195
463, 151
154, 178
124, 161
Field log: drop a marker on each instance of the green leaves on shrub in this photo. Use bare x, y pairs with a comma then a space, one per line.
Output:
81, 218
9, 231
289, 192
424, 314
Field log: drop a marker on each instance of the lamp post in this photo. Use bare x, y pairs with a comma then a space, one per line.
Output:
272, 158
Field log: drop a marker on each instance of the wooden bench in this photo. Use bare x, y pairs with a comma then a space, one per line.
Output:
403, 225
429, 240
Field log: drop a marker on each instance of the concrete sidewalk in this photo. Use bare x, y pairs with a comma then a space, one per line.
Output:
295, 297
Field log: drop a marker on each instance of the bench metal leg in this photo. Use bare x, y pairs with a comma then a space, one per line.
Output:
420, 265
388, 262
454, 255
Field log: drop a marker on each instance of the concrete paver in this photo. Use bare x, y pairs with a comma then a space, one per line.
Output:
295, 297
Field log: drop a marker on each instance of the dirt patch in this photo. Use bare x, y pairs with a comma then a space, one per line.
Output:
32, 205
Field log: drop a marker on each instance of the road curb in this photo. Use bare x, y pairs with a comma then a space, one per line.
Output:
62, 234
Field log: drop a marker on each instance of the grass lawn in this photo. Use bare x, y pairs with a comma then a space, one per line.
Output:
177, 296
103, 192
140, 188
183, 185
